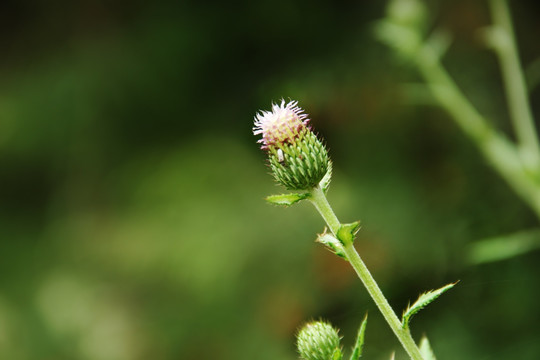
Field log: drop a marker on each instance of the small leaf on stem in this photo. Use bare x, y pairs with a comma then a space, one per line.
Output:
423, 300
347, 232
286, 199
332, 243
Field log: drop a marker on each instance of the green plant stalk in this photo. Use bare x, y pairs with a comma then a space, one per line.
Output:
320, 202
514, 82
498, 150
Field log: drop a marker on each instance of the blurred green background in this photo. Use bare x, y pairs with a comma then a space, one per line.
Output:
132, 219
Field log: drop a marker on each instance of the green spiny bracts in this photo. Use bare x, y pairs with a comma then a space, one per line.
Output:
318, 341
301, 165
298, 159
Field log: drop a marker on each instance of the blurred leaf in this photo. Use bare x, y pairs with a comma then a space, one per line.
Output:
424, 300
503, 247
425, 349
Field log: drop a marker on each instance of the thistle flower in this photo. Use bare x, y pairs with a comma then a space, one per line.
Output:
318, 341
298, 159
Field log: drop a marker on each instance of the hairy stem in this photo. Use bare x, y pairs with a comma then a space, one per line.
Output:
321, 203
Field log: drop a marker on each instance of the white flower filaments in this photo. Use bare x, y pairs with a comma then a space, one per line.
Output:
298, 159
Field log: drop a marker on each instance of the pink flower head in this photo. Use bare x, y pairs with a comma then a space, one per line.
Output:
281, 125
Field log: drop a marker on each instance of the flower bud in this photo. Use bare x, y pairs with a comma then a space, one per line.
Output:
318, 341
298, 159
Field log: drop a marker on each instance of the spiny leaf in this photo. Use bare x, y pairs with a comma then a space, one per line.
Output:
425, 349
286, 199
423, 300
392, 356
332, 243
347, 232
359, 345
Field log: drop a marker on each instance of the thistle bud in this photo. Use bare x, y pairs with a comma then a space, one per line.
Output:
318, 341
298, 159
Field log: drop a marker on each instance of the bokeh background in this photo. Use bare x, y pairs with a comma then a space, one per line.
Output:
132, 219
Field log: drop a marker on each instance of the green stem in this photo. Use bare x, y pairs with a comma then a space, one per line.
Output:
504, 42
321, 203
498, 150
